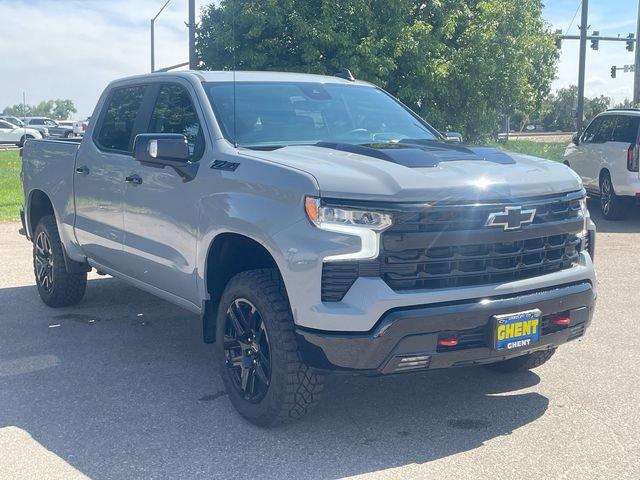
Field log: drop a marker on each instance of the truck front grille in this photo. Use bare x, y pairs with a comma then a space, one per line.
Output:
449, 246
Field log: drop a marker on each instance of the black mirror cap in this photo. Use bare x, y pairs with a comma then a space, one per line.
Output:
453, 137
576, 139
161, 149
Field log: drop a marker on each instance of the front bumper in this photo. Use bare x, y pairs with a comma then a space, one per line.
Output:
414, 331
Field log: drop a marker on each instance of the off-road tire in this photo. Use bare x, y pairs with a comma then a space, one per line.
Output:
524, 362
68, 288
293, 387
611, 205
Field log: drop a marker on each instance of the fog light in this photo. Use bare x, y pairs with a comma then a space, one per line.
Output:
448, 342
562, 321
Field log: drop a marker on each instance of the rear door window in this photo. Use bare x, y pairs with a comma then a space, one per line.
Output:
119, 118
605, 133
174, 113
627, 128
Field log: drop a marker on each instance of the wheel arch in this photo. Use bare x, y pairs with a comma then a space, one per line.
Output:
228, 254
38, 205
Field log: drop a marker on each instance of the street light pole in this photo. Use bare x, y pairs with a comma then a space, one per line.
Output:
153, 20
153, 50
582, 67
636, 85
193, 59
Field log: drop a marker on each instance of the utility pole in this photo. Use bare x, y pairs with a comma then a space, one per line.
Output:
582, 67
193, 58
636, 85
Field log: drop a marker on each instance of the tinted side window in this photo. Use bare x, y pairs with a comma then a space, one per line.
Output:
5, 125
606, 129
590, 133
174, 113
626, 129
36, 121
119, 118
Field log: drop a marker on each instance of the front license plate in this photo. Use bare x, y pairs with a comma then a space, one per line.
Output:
516, 330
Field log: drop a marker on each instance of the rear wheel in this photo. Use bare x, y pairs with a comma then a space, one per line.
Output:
24, 138
611, 205
263, 372
524, 362
56, 286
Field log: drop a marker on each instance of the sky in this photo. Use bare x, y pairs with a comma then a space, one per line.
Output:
73, 48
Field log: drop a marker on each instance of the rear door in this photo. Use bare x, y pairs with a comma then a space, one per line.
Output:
160, 208
100, 170
7, 134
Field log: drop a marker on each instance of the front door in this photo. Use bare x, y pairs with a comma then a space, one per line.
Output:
160, 208
99, 174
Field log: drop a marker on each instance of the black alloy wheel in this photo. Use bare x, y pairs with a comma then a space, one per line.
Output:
44, 261
247, 351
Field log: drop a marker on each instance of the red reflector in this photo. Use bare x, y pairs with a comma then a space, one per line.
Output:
447, 342
561, 321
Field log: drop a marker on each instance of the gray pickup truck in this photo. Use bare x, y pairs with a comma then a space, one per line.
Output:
317, 225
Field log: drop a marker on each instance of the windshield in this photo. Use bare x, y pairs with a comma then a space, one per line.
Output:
15, 121
276, 114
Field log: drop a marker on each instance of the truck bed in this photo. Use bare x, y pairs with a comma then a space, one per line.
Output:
48, 166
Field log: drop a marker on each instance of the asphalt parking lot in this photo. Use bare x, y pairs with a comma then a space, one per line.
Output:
122, 386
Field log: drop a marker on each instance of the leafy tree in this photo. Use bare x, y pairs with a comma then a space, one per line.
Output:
57, 109
626, 103
557, 111
460, 64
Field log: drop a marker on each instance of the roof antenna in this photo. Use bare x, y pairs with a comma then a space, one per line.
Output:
233, 40
346, 74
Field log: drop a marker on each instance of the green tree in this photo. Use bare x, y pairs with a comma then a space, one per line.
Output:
460, 64
557, 111
58, 109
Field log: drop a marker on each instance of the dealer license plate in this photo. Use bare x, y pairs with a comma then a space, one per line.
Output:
517, 330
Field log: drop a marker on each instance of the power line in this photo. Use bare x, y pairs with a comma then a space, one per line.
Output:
574, 16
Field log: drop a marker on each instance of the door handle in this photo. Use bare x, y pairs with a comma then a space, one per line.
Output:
135, 179
83, 170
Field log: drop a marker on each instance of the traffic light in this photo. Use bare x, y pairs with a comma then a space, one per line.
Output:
631, 42
614, 71
558, 39
595, 42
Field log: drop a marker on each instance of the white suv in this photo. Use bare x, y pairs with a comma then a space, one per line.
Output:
606, 157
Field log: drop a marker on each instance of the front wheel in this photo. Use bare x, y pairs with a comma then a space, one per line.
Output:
524, 362
262, 370
56, 286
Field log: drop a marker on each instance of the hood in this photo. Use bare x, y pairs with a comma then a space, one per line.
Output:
425, 171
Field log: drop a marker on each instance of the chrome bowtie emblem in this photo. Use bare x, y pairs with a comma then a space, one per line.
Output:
511, 218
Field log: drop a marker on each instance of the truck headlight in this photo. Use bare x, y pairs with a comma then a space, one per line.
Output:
365, 224
586, 216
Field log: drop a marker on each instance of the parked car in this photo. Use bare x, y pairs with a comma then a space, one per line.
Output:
316, 225
80, 127
606, 156
55, 129
44, 131
14, 135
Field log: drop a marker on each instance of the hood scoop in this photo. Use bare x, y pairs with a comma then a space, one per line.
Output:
417, 154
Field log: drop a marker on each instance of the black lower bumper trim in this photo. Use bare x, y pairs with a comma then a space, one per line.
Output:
404, 336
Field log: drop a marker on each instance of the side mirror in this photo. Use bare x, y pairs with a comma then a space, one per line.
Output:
453, 137
165, 150
576, 139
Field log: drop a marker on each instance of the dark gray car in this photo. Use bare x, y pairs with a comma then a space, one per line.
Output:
55, 129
